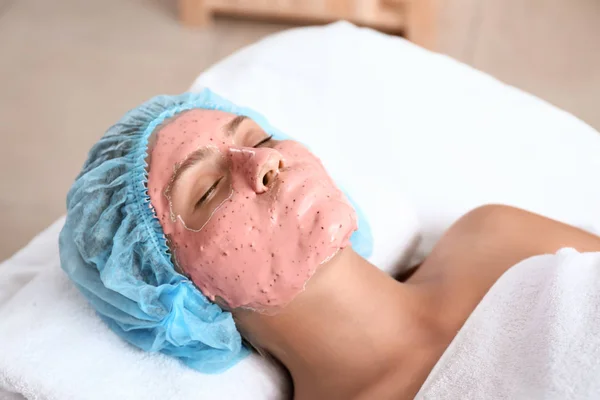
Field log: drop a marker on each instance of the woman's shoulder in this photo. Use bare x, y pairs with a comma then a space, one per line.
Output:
488, 240
481, 246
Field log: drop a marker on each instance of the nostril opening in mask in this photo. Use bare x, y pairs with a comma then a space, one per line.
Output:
268, 178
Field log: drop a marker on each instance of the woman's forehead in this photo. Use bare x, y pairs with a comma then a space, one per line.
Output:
179, 136
197, 124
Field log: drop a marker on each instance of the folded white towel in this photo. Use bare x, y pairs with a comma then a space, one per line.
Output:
535, 335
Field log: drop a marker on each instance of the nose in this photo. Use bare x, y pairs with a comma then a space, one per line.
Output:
258, 167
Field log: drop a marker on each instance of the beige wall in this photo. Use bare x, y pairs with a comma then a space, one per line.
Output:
550, 48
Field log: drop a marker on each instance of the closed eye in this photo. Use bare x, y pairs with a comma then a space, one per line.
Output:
206, 196
265, 140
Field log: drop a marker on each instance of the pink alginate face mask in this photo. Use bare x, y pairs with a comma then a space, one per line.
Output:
249, 225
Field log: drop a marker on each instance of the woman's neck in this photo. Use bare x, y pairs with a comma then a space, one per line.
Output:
354, 330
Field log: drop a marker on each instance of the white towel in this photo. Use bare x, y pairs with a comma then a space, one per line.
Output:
54, 347
535, 335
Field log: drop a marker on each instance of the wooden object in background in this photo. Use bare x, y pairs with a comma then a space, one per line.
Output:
422, 22
416, 19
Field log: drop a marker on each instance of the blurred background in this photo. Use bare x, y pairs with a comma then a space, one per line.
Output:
71, 68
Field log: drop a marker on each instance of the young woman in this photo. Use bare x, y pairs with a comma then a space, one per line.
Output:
253, 224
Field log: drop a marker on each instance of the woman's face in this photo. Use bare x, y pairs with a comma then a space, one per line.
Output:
248, 218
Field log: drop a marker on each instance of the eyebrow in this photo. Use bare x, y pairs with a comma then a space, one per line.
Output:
230, 127
192, 159
200, 154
